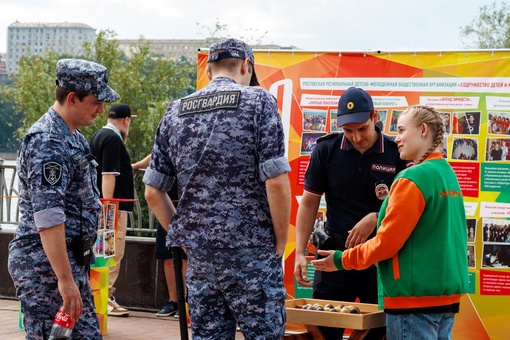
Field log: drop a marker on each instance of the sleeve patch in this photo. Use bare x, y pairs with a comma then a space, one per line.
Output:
52, 174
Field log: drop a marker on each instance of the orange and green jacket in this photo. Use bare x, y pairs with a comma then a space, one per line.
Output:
420, 245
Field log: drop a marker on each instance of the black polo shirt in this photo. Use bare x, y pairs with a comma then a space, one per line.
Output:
349, 178
113, 158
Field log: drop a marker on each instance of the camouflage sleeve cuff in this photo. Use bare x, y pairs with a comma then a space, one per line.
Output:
157, 180
48, 218
273, 168
337, 258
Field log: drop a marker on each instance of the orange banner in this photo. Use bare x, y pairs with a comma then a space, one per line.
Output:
471, 89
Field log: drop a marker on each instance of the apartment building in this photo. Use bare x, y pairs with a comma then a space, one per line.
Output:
3, 69
68, 38
35, 38
175, 49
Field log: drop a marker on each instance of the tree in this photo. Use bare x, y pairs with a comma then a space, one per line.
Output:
490, 30
145, 82
9, 123
219, 31
33, 90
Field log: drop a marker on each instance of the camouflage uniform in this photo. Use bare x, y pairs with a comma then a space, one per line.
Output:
57, 184
221, 144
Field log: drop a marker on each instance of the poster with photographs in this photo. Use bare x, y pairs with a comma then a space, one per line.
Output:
308, 141
111, 216
333, 122
496, 231
444, 147
102, 220
466, 123
380, 119
465, 149
109, 243
319, 220
318, 224
98, 245
446, 120
498, 123
395, 114
497, 149
496, 255
314, 120
471, 229
471, 256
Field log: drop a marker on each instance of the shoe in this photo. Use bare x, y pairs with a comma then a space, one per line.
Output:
114, 309
170, 308
176, 315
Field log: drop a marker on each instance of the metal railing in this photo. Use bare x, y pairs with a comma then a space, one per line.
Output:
138, 227
9, 207
9, 201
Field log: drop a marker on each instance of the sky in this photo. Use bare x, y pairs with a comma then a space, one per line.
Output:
313, 25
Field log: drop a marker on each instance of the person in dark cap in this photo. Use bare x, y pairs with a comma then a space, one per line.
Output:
115, 180
354, 170
224, 146
59, 205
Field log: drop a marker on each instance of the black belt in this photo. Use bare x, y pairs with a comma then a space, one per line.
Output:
338, 240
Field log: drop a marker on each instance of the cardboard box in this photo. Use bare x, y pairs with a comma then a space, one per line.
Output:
370, 317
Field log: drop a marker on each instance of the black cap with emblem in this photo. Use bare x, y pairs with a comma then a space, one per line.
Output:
354, 106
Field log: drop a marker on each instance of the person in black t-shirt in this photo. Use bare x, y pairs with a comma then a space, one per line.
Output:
115, 180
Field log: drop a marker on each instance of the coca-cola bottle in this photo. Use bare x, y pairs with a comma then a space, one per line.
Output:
62, 325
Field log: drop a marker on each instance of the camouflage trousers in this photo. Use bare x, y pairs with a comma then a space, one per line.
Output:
37, 289
236, 286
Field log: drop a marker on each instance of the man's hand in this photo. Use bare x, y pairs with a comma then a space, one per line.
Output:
300, 265
71, 297
327, 264
360, 232
54, 244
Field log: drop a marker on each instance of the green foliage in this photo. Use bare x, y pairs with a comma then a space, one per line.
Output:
33, 91
104, 51
9, 123
145, 82
490, 30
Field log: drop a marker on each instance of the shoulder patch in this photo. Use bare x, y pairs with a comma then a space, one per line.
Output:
52, 173
206, 103
328, 136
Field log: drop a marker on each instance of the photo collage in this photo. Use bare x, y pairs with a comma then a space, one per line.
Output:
105, 242
495, 235
319, 122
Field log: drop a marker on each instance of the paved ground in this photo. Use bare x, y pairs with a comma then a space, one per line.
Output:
139, 325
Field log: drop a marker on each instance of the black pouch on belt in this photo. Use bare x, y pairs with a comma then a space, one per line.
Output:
81, 245
81, 248
321, 241
338, 242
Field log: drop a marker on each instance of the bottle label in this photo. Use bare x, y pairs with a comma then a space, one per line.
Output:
63, 319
